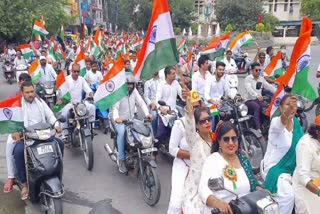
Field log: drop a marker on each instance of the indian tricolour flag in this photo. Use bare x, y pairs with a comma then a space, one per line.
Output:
119, 49
297, 75
242, 40
38, 28
112, 88
181, 45
137, 44
98, 43
190, 63
26, 51
85, 30
81, 60
159, 47
62, 32
275, 67
63, 91
34, 71
11, 115
217, 47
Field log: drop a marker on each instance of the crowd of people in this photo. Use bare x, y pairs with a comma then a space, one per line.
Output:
202, 148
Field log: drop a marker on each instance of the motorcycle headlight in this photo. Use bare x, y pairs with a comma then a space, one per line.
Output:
49, 91
243, 109
146, 141
41, 134
81, 110
300, 104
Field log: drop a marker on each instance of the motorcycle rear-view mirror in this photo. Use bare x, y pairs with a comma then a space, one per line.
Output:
61, 119
162, 103
259, 85
216, 184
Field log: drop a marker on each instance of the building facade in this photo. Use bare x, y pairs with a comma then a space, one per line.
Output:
284, 10
91, 13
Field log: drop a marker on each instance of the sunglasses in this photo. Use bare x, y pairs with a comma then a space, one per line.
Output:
234, 139
76, 71
257, 70
205, 120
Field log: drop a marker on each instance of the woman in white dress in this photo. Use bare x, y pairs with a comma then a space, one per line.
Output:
307, 200
280, 158
229, 164
199, 138
179, 149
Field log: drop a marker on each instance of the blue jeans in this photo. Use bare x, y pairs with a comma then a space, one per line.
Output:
154, 122
18, 155
120, 128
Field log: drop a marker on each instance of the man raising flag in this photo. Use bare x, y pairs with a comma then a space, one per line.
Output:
159, 48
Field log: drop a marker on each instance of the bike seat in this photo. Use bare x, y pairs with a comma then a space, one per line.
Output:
38, 126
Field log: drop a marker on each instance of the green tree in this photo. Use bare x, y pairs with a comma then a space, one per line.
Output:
311, 8
17, 17
269, 19
182, 13
241, 13
229, 28
260, 27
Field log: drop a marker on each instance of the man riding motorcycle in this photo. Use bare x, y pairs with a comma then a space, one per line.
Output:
125, 109
48, 74
35, 110
93, 76
77, 85
231, 66
254, 83
19, 60
8, 187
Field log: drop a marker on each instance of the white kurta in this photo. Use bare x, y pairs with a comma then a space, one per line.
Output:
214, 167
180, 167
279, 143
307, 169
199, 151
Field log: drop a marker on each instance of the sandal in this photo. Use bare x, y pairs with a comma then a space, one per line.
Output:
24, 193
8, 186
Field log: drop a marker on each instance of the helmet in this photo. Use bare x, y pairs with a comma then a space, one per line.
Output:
130, 78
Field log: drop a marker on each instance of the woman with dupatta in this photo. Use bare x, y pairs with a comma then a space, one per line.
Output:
280, 158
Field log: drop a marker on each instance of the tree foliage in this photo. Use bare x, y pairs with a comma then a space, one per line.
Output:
271, 21
136, 14
241, 13
17, 17
311, 8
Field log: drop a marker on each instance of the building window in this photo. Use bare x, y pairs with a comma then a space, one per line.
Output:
285, 6
275, 5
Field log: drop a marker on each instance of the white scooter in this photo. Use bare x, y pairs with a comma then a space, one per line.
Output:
21, 69
233, 82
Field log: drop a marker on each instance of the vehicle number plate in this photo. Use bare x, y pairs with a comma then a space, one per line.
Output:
153, 149
244, 118
44, 149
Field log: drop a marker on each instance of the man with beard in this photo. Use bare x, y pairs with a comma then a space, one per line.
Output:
217, 87
48, 74
123, 110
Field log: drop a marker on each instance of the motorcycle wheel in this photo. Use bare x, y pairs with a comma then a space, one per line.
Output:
150, 185
54, 205
87, 150
256, 150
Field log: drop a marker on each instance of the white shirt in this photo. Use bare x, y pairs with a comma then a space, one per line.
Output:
213, 168
72, 55
20, 61
125, 108
199, 82
77, 87
216, 89
133, 64
318, 68
34, 112
92, 78
268, 60
231, 66
150, 90
162, 75
168, 93
12, 52
251, 92
48, 73
279, 142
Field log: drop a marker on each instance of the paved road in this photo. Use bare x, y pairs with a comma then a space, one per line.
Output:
104, 190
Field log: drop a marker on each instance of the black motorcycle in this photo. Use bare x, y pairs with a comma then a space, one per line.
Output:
251, 141
48, 93
80, 132
164, 140
8, 72
259, 201
139, 149
44, 167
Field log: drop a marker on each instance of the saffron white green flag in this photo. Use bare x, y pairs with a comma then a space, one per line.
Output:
63, 91
38, 28
159, 47
11, 115
80, 59
242, 40
34, 71
26, 51
113, 87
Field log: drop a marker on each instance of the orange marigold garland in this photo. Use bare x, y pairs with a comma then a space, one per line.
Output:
231, 174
